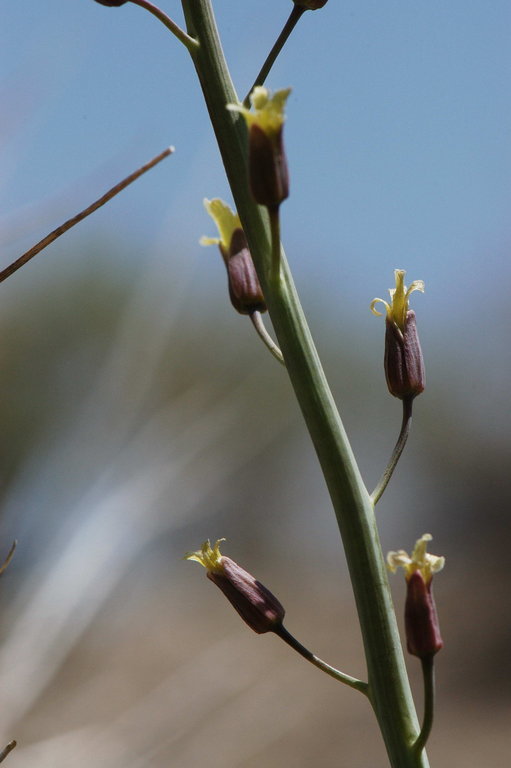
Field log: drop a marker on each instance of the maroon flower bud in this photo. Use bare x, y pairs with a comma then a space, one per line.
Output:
267, 164
244, 288
256, 605
310, 5
112, 3
404, 364
423, 637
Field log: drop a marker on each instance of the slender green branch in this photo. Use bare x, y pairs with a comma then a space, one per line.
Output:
275, 243
56, 233
389, 689
353, 682
5, 751
176, 30
258, 323
290, 24
406, 423
428, 674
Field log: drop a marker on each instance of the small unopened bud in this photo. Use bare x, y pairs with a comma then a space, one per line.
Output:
112, 3
268, 173
245, 290
423, 637
310, 5
404, 364
256, 605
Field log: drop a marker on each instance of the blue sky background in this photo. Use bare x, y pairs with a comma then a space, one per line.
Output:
398, 138
398, 133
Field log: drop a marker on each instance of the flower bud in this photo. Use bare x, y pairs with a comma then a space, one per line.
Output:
403, 361
256, 605
423, 637
267, 164
112, 3
244, 288
404, 364
310, 5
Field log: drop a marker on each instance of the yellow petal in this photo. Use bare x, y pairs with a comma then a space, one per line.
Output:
226, 221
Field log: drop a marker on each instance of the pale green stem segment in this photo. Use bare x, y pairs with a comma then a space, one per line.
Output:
428, 675
176, 30
389, 689
276, 247
257, 322
288, 27
406, 423
288, 638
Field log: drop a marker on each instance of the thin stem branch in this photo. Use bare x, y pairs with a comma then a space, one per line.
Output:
38, 247
258, 323
428, 674
176, 30
275, 243
353, 682
396, 453
9, 557
8, 748
290, 24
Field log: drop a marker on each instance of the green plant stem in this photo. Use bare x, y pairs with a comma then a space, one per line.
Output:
176, 30
274, 214
288, 638
406, 423
389, 689
288, 27
257, 322
428, 675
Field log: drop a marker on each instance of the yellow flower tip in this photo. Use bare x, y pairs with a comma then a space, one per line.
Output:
399, 296
268, 109
420, 560
226, 220
208, 556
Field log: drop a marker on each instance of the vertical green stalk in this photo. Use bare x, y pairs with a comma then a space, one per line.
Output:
389, 690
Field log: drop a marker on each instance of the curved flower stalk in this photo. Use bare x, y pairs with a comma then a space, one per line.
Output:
403, 362
257, 606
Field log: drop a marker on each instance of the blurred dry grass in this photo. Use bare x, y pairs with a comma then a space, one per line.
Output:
140, 415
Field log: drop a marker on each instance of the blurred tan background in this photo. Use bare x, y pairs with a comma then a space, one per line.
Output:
140, 414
